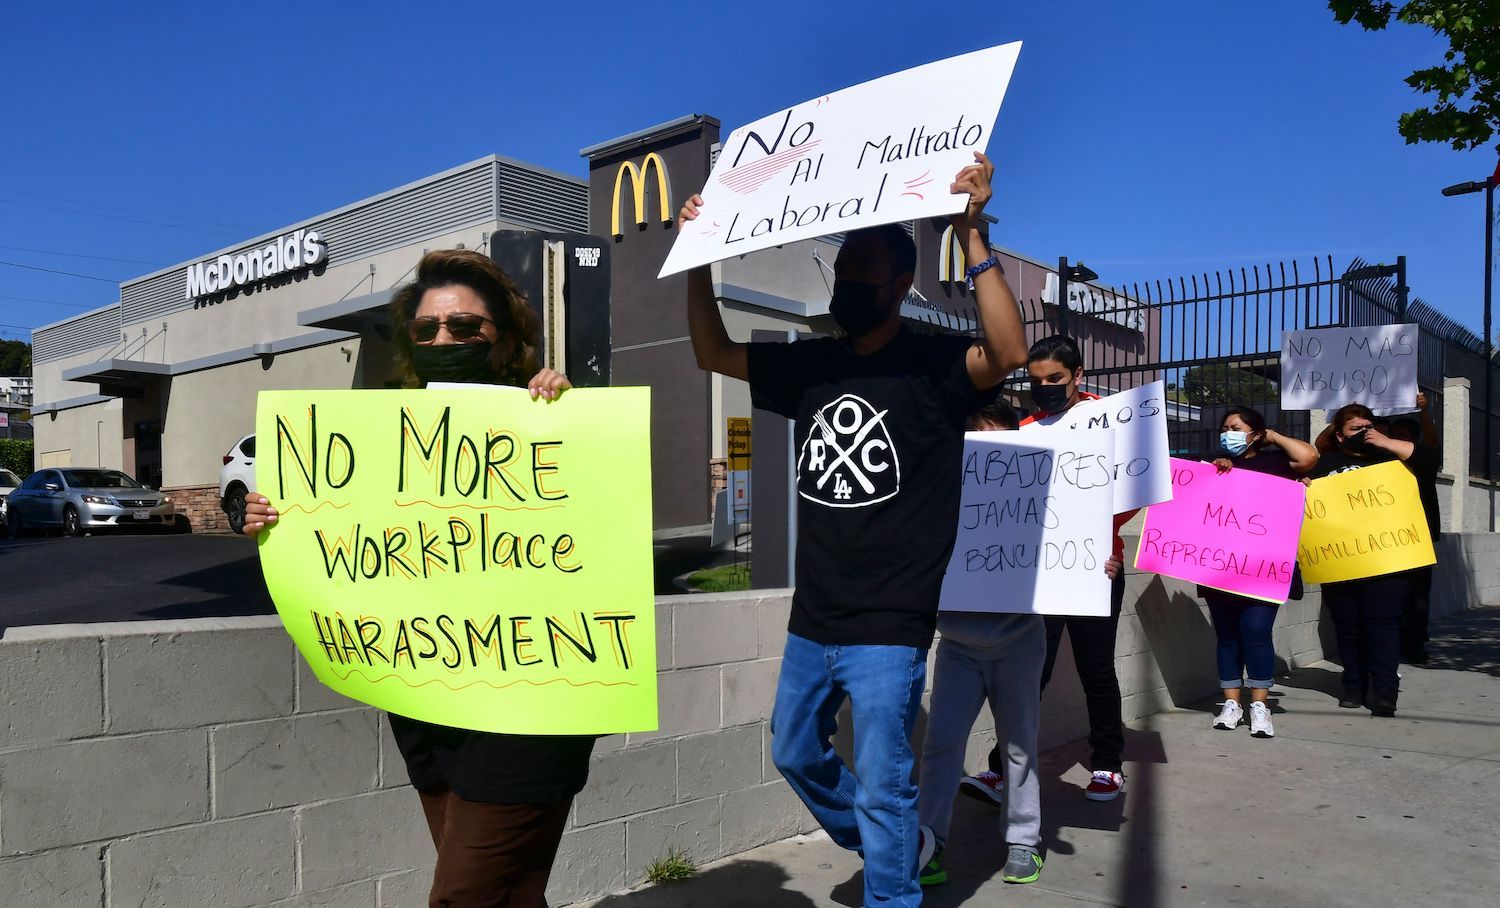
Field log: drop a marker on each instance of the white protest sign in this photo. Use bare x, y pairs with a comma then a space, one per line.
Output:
880, 152
1143, 471
1034, 525
1326, 368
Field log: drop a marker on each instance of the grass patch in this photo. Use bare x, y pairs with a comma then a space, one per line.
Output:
672, 868
725, 578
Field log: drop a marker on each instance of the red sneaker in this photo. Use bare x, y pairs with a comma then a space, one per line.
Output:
1105, 786
988, 787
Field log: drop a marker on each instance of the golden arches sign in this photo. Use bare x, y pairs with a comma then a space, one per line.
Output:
638, 191
952, 263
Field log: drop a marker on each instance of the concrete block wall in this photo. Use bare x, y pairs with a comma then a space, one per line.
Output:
200, 763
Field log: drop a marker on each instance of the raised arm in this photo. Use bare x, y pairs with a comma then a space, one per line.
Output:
711, 343
1002, 348
1376, 439
1303, 456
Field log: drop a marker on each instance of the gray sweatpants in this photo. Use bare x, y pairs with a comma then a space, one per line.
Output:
1000, 657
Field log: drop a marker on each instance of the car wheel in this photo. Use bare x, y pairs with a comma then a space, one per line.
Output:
234, 506
13, 522
72, 523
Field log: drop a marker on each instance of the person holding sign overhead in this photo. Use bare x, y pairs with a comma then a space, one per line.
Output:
495, 804
1243, 625
1056, 368
1367, 612
879, 431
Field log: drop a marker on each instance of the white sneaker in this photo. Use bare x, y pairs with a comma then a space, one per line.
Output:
1260, 720
1229, 716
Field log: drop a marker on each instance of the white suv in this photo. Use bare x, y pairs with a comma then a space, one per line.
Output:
8, 481
236, 479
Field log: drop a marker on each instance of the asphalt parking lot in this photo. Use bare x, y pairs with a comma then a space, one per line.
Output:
142, 575
128, 577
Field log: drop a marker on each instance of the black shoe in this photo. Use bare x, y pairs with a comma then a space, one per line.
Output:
1383, 703
1352, 699
1417, 656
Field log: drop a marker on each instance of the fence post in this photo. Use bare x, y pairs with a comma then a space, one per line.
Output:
1062, 294
1402, 291
1317, 421
1456, 416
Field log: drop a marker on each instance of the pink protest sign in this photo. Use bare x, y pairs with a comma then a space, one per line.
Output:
1235, 532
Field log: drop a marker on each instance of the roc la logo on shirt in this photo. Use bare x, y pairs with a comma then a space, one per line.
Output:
847, 459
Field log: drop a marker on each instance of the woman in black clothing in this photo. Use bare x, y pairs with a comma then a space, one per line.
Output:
1243, 625
1367, 612
495, 804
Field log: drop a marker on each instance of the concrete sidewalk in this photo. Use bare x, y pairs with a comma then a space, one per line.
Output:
1338, 809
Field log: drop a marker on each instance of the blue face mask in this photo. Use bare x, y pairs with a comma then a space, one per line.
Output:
1234, 443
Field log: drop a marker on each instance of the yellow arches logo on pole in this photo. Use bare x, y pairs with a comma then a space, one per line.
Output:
952, 263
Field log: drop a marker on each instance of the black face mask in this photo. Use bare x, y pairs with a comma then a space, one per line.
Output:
856, 308
1049, 398
1355, 444
454, 362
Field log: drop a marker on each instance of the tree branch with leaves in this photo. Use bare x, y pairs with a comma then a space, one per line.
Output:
1466, 108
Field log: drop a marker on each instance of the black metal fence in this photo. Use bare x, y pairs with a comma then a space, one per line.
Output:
1215, 338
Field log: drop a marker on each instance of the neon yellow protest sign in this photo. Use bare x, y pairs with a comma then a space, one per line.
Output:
469, 557
1363, 523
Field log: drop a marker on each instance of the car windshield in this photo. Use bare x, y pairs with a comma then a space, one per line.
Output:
99, 479
9, 480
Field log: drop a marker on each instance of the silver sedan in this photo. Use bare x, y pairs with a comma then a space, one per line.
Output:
79, 500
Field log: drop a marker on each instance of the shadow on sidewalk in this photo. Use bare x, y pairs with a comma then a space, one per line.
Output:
1467, 642
737, 884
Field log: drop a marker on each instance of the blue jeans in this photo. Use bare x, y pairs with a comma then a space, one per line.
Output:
872, 810
1243, 626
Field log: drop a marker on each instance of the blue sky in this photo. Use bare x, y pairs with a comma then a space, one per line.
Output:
1147, 139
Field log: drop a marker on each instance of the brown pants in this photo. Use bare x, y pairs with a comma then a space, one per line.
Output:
492, 855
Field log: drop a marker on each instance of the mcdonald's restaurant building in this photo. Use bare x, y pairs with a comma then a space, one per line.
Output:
161, 383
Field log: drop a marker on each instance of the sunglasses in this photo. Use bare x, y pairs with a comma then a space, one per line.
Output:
464, 328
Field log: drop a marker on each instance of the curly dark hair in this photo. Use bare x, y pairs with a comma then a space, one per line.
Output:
507, 306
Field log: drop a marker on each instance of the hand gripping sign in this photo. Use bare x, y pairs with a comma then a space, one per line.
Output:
467, 557
877, 153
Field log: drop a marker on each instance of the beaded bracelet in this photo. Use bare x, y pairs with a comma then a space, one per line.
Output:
992, 262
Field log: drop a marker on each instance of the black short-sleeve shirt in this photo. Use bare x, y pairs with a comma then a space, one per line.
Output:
879, 449
1269, 460
1423, 465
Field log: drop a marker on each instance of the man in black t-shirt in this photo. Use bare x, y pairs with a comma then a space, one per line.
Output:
879, 429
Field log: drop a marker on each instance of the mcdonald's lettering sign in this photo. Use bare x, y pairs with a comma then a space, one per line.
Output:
952, 263
638, 177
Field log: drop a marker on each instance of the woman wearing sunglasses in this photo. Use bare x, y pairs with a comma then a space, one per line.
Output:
495, 804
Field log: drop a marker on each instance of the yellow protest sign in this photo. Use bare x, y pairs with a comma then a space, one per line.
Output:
1363, 523
469, 557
